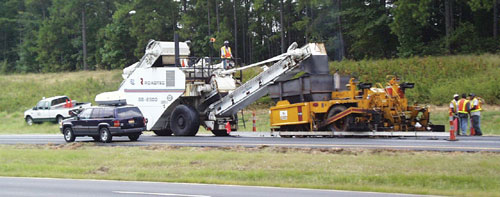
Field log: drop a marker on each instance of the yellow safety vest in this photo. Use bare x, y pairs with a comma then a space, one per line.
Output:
462, 106
478, 105
225, 52
455, 105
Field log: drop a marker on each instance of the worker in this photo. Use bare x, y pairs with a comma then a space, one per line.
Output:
225, 54
454, 110
463, 113
475, 114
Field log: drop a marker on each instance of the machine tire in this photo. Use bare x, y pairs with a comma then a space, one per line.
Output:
165, 132
342, 124
96, 138
220, 132
29, 120
104, 135
69, 136
134, 137
184, 121
59, 119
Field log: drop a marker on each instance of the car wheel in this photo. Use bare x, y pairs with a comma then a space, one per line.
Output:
134, 137
104, 135
69, 136
29, 120
59, 119
96, 138
185, 121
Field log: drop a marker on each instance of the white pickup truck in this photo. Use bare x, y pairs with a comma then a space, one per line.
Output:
54, 109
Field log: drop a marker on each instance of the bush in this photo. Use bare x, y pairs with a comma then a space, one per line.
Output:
436, 78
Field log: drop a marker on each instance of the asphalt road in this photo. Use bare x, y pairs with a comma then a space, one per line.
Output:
40, 187
483, 143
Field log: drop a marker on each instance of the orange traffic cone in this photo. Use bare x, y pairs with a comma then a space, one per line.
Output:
228, 128
472, 130
453, 129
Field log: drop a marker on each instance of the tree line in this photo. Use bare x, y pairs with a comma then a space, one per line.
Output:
68, 35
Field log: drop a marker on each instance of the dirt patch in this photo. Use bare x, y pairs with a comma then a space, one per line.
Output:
100, 170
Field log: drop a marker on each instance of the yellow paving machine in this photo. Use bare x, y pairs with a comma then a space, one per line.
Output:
311, 105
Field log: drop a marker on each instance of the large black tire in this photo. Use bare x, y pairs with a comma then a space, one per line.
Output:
220, 132
96, 138
104, 135
69, 136
59, 119
29, 120
165, 132
134, 137
339, 125
184, 121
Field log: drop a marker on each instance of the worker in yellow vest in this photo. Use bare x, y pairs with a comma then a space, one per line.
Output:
463, 113
475, 114
454, 110
225, 54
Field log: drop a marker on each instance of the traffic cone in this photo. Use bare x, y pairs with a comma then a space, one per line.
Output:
228, 128
453, 128
472, 131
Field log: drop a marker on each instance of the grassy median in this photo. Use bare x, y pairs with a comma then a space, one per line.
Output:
440, 173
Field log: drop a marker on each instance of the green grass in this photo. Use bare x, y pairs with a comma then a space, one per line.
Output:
436, 78
22, 91
472, 174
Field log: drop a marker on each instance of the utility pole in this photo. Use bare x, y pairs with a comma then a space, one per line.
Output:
235, 31
217, 14
282, 28
84, 39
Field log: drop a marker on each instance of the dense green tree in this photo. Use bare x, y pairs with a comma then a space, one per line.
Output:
56, 35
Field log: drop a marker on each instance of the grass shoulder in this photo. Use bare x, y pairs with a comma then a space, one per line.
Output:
472, 174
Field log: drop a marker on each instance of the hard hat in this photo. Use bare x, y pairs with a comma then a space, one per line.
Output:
455, 95
226, 42
472, 94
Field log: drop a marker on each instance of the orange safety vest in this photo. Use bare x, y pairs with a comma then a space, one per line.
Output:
462, 106
478, 105
225, 52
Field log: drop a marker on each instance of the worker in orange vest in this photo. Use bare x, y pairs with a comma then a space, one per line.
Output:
454, 110
225, 54
463, 113
475, 114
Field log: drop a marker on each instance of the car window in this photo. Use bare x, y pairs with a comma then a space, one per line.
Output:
85, 114
59, 101
95, 113
40, 105
128, 112
46, 105
107, 113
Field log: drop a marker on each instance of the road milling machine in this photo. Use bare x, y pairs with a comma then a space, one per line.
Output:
178, 93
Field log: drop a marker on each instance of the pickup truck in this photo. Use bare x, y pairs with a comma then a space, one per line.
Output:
54, 109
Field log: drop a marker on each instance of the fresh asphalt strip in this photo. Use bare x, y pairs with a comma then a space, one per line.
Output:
464, 143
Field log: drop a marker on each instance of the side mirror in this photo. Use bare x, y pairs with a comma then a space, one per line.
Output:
34, 108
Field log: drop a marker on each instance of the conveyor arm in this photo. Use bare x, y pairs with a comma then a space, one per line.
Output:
256, 87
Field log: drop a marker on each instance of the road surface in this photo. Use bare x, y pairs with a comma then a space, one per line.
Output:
484, 143
49, 187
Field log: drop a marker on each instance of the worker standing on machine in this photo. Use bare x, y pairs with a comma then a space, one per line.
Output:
463, 113
225, 54
475, 114
454, 111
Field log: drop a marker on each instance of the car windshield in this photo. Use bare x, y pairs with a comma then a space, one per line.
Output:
128, 112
